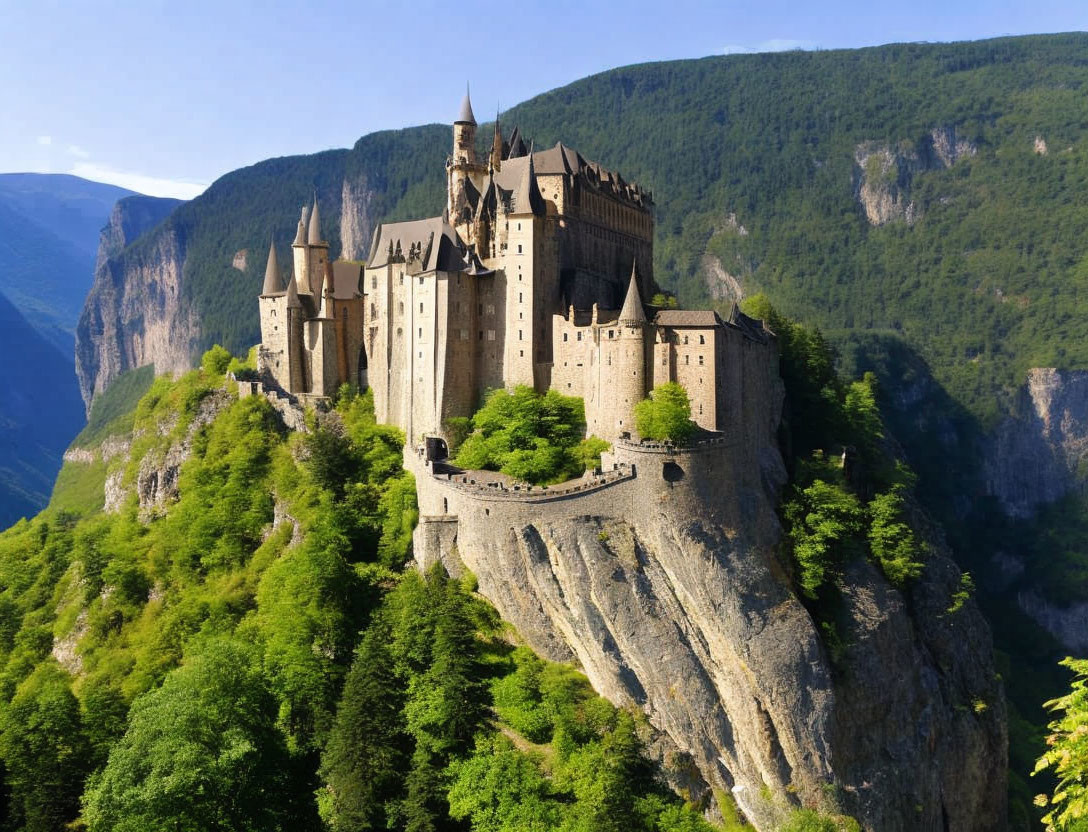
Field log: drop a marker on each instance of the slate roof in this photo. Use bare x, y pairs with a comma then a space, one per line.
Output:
632, 311
439, 246
465, 116
688, 317
272, 283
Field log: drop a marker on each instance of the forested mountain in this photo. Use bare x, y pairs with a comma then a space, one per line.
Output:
923, 204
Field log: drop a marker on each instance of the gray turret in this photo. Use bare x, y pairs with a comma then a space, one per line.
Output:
272, 283
527, 198
466, 116
633, 313
315, 225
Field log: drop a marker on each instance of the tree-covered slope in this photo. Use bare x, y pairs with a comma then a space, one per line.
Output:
237, 643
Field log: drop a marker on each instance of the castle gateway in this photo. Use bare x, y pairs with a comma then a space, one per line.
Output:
536, 273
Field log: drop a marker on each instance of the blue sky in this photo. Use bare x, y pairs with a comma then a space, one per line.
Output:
164, 97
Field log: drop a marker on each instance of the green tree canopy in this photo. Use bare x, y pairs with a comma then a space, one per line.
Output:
530, 436
1067, 755
201, 752
665, 415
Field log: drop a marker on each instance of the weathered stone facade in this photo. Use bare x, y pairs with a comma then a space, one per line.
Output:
536, 273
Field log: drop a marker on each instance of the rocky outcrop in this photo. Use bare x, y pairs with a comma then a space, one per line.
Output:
134, 314
669, 590
1036, 453
1069, 625
883, 172
720, 284
357, 218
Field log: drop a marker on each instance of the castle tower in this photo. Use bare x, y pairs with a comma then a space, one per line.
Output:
527, 333
301, 254
462, 163
318, 251
628, 376
294, 319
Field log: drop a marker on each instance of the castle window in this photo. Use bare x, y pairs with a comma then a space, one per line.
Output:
421, 281
400, 307
481, 335
700, 410
402, 280
611, 333
702, 339
480, 308
610, 361
579, 336
421, 308
685, 340
373, 310
374, 281
519, 335
700, 361
687, 359
421, 332
521, 297
564, 337
519, 248
519, 229
521, 316
521, 353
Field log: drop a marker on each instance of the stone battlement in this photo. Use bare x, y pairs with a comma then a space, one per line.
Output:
497, 490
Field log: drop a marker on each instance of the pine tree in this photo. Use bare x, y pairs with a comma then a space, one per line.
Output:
366, 757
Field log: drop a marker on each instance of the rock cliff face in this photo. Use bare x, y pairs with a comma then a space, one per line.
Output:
1035, 454
134, 314
357, 218
884, 172
668, 589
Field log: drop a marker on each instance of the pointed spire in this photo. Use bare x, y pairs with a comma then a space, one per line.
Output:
466, 116
632, 312
292, 295
315, 224
300, 235
497, 144
527, 198
272, 283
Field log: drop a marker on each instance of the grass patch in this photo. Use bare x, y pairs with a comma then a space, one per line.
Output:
112, 410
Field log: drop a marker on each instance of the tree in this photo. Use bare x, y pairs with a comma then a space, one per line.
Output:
665, 414
822, 520
365, 759
216, 360
44, 749
891, 539
1067, 755
529, 436
201, 752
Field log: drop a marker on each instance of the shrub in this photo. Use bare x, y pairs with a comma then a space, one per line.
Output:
665, 415
216, 360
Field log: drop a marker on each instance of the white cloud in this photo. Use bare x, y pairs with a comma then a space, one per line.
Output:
771, 45
45, 141
78, 152
150, 185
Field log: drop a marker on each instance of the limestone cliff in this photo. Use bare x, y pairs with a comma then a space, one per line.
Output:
1036, 453
883, 172
666, 585
357, 212
133, 315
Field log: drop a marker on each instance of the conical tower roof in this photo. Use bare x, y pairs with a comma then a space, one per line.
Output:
315, 225
466, 116
292, 295
527, 198
272, 283
632, 312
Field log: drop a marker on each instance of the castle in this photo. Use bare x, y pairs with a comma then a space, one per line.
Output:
536, 273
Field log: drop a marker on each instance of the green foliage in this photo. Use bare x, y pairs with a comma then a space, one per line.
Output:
824, 521
45, 751
1067, 755
891, 540
112, 410
963, 594
665, 415
529, 436
216, 360
808, 820
201, 752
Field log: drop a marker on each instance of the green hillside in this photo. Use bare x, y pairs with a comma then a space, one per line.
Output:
256, 655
